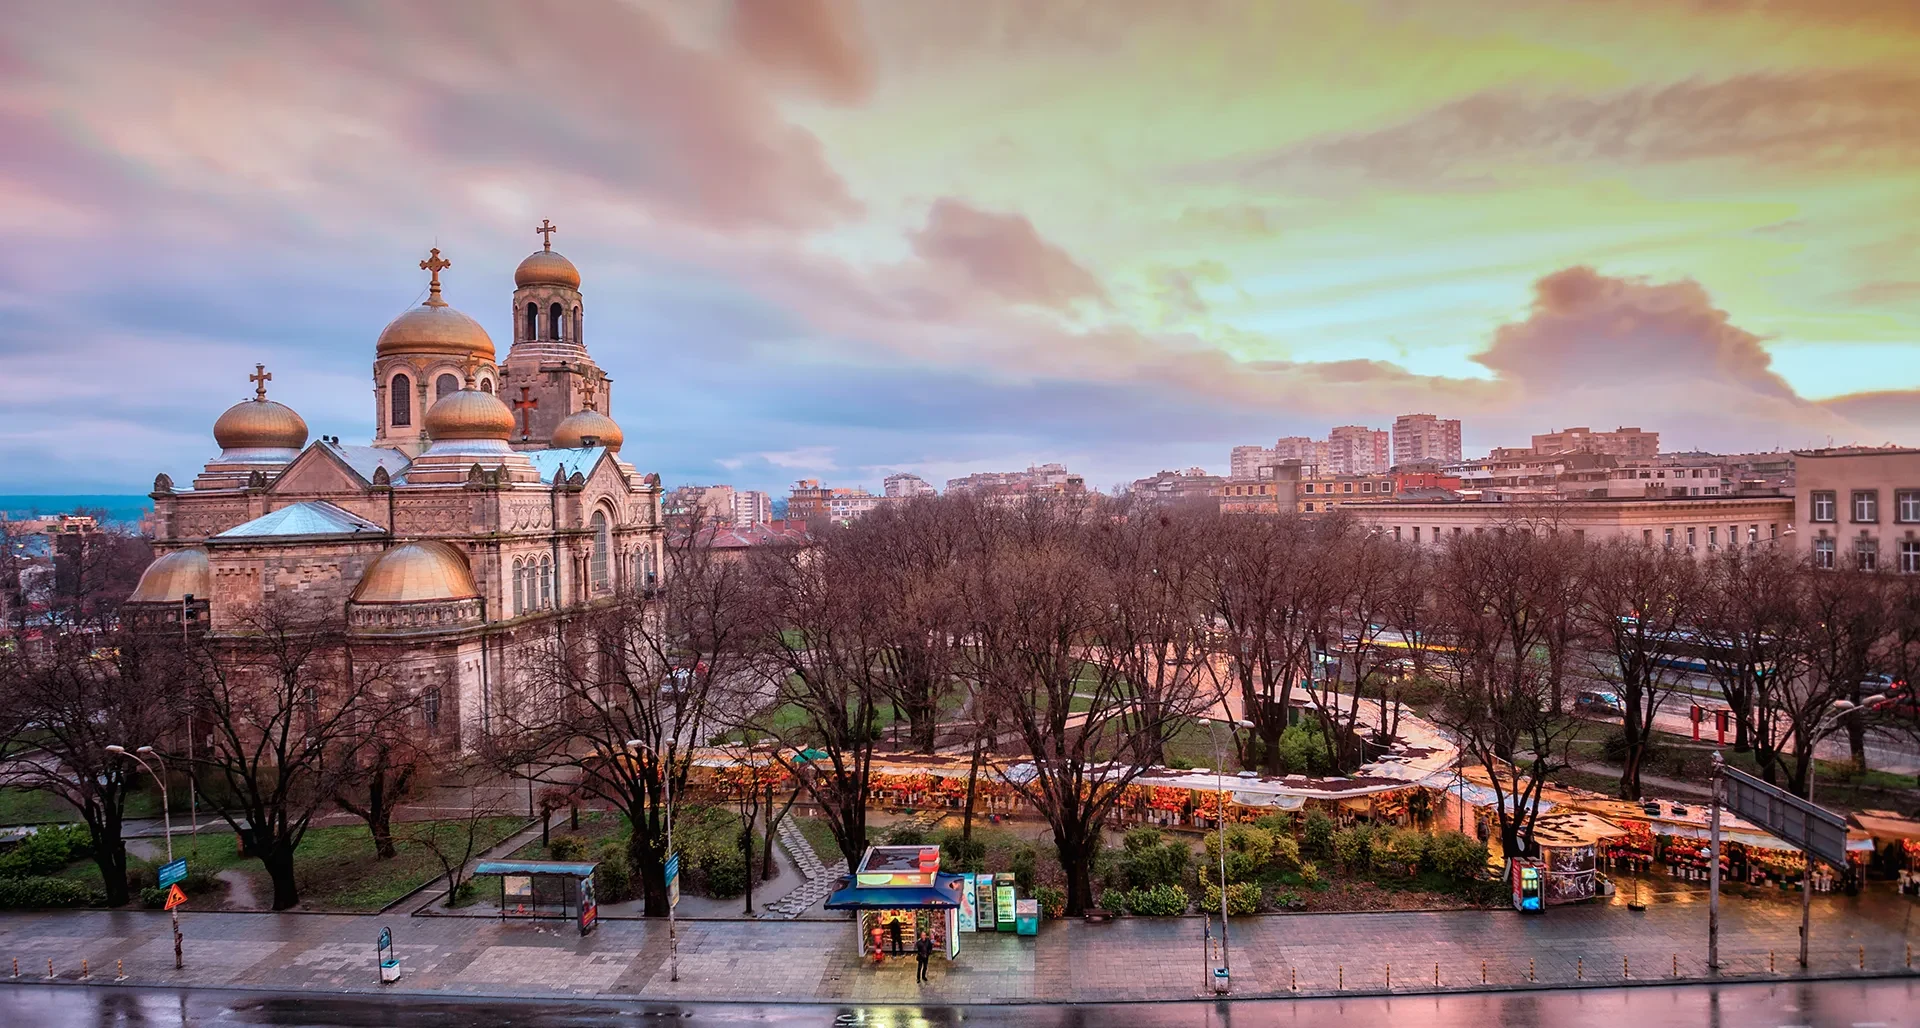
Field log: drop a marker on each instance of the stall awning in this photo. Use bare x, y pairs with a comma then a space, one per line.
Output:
1885, 824
944, 892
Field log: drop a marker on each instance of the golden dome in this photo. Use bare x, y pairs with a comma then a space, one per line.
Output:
174, 577
260, 423
574, 429
431, 328
469, 414
417, 572
546, 268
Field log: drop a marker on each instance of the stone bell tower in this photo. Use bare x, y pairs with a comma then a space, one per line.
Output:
548, 373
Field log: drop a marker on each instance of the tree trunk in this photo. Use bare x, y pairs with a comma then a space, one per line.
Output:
279, 862
973, 777
1076, 859
381, 825
1856, 731
650, 869
746, 854
112, 861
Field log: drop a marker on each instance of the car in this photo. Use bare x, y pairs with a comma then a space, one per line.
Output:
1874, 685
1597, 701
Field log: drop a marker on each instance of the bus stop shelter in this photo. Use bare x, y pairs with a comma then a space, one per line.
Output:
544, 889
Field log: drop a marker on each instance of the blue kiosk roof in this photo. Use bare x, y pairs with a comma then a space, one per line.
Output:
944, 892
533, 867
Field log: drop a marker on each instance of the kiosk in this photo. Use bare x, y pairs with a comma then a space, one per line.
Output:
899, 895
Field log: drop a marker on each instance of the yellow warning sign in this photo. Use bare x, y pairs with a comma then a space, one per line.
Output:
175, 897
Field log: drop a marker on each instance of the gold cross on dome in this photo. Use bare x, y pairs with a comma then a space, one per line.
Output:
434, 264
546, 231
260, 377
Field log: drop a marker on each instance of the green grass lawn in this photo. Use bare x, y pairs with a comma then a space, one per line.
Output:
596, 827
819, 835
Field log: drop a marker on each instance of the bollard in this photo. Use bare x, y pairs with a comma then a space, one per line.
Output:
85, 971
119, 970
1580, 968
1626, 968
1343, 976
1389, 977
1483, 972
1296, 976
1676, 965
1529, 969
1769, 961
1909, 956
49, 969
1863, 958
16, 967
1436, 974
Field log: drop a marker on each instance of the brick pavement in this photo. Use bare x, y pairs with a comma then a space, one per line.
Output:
1131, 959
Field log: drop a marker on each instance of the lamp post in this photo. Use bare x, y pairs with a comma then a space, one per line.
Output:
166, 815
666, 790
1840, 711
1220, 788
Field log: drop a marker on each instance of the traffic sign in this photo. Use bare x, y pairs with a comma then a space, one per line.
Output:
173, 871
175, 897
1788, 817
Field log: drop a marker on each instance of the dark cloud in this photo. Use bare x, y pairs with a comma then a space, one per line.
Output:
1002, 254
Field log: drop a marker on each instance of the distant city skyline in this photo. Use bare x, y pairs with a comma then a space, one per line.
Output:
842, 241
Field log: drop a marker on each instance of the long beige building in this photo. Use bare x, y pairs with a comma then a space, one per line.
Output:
1859, 507
1701, 524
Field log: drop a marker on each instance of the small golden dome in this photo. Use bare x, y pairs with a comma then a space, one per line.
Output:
546, 268
417, 572
575, 429
435, 329
174, 577
260, 424
469, 414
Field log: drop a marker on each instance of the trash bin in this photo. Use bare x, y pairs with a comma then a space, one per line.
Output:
1220, 980
1026, 917
390, 970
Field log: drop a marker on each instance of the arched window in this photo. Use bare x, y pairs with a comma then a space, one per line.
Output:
601, 543
554, 315
445, 384
486, 386
546, 582
402, 402
533, 319
519, 587
430, 707
576, 323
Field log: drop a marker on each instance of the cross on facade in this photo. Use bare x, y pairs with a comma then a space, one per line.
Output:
546, 231
434, 265
260, 377
523, 405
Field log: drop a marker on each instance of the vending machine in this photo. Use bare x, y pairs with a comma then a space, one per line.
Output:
983, 902
1529, 885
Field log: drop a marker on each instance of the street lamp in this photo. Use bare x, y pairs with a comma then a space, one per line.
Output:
1838, 712
1220, 788
666, 789
166, 815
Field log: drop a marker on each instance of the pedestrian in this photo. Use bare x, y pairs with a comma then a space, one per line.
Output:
893, 930
923, 952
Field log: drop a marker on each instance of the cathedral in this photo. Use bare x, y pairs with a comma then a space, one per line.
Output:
491, 500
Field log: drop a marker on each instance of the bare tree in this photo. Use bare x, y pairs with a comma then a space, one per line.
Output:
913, 550
1156, 639
1499, 606
61, 707
1638, 602
1847, 625
394, 768
288, 709
1361, 566
620, 697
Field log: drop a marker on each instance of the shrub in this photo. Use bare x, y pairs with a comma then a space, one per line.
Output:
153, 897
1287, 899
1317, 834
1460, 857
1021, 863
1053, 900
1180, 764
1286, 854
1249, 850
567, 848
1353, 847
1242, 898
1309, 873
463, 894
46, 851
1158, 901
1398, 852
725, 871
39, 891
960, 854
613, 879
1302, 750
1279, 823
1148, 859
903, 836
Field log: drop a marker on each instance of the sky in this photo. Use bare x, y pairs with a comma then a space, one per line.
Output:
826, 239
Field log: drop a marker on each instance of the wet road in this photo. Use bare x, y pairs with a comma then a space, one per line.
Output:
1884, 1003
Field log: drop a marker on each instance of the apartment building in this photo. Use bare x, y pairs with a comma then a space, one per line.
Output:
1302, 489
1358, 450
1425, 439
1621, 442
1701, 525
1859, 507
1046, 481
1173, 487
906, 485
751, 507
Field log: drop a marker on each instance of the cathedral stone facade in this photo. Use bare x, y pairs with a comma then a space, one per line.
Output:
456, 537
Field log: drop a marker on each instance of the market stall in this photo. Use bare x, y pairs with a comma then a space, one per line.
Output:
1894, 843
1570, 841
900, 895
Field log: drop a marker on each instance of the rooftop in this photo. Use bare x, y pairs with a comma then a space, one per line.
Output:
313, 517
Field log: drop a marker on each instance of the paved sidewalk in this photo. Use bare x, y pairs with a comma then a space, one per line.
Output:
1132, 959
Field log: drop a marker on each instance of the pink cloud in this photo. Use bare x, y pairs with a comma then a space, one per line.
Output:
818, 44
1002, 254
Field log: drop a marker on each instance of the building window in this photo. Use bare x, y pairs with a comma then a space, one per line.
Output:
1866, 554
1713, 537
598, 568
486, 386
1691, 539
1866, 505
1346, 487
1366, 487
1396, 533
554, 321
1823, 553
1416, 535
576, 323
400, 402
1309, 506
1907, 505
1773, 533
1309, 487
1646, 536
445, 384
1822, 505
519, 587
1909, 556
546, 584
430, 707
1669, 537
533, 320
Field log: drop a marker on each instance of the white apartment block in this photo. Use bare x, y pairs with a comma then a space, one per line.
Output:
1424, 438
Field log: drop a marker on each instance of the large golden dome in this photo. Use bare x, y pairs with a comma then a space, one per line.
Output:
174, 577
575, 429
417, 572
469, 414
431, 328
546, 268
260, 424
